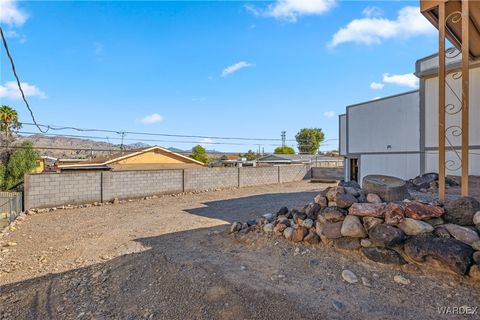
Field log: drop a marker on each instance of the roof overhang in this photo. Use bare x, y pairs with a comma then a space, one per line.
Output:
429, 9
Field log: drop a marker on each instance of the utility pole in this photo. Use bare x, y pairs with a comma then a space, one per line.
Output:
284, 134
123, 136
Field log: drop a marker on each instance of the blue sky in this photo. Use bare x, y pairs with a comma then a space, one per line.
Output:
218, 68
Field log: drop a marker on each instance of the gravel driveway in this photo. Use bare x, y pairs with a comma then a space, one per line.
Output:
169, 258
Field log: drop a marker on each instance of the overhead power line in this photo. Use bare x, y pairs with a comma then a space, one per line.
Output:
120, 132
142, 140
5, 45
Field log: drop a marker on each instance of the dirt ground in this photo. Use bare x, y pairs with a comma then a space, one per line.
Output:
170, 258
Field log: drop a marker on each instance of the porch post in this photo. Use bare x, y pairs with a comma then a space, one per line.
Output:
465, 94
441, 101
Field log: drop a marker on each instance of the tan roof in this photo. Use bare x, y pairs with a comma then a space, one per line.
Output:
141, 167
103, 161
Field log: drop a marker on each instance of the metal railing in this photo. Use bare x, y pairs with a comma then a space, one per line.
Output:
11, 205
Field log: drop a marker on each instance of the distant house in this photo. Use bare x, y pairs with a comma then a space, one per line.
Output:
152, 158
311, 159
232, 160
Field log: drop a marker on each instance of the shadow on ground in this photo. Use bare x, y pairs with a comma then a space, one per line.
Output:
206, 274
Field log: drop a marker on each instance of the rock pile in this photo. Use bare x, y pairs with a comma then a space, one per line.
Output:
396, 232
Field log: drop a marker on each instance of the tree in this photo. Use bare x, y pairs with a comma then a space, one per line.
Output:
251, 155
8, 120
199, 153
20, 162
309, 140
284, 150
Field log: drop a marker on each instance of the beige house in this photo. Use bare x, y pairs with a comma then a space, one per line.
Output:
152, 158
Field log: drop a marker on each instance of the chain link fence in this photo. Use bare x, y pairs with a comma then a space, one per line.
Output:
11, 205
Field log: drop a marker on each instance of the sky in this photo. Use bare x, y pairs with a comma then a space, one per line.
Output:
208, 68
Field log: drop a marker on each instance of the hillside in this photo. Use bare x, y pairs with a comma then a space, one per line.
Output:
66, 147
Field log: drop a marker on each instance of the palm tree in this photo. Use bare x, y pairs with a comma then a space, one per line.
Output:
8, 120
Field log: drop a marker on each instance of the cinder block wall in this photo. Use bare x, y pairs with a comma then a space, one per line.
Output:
293, 173
49, 190
133, 184
250, 176
56, 189
211, 178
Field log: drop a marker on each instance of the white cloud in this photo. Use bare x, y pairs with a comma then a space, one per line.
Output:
329, 114
376, 86
205, 141
235, 67
152, 118
373, 29
11, 14
12, 34
290, 10
372, 12
10, 90
406, 80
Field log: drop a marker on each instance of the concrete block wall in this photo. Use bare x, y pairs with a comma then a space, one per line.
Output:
49, 190
212, 178
57, 189
293, 173
251, 176
133, 184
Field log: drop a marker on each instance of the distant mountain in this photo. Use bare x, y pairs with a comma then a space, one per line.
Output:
67, 147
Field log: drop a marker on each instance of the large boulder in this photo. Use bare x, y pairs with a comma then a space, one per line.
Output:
387, 187
370, 222
464, 234
345, 200
374, 198
393, 213
455, 254
332, 214
367, 209
413, 227
311, 210
420, 211
332, 230
321, 200
461, 211
385, 235
312, 238
299, 233
476, 218
352, 227
383, 255
424, 181
332, 193
346, 243
350, 184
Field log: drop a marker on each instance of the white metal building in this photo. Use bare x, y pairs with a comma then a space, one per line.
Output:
398, 135
382, 137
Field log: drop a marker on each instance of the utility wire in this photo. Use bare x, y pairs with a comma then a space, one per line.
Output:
144, 140
61, 128
5, 45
